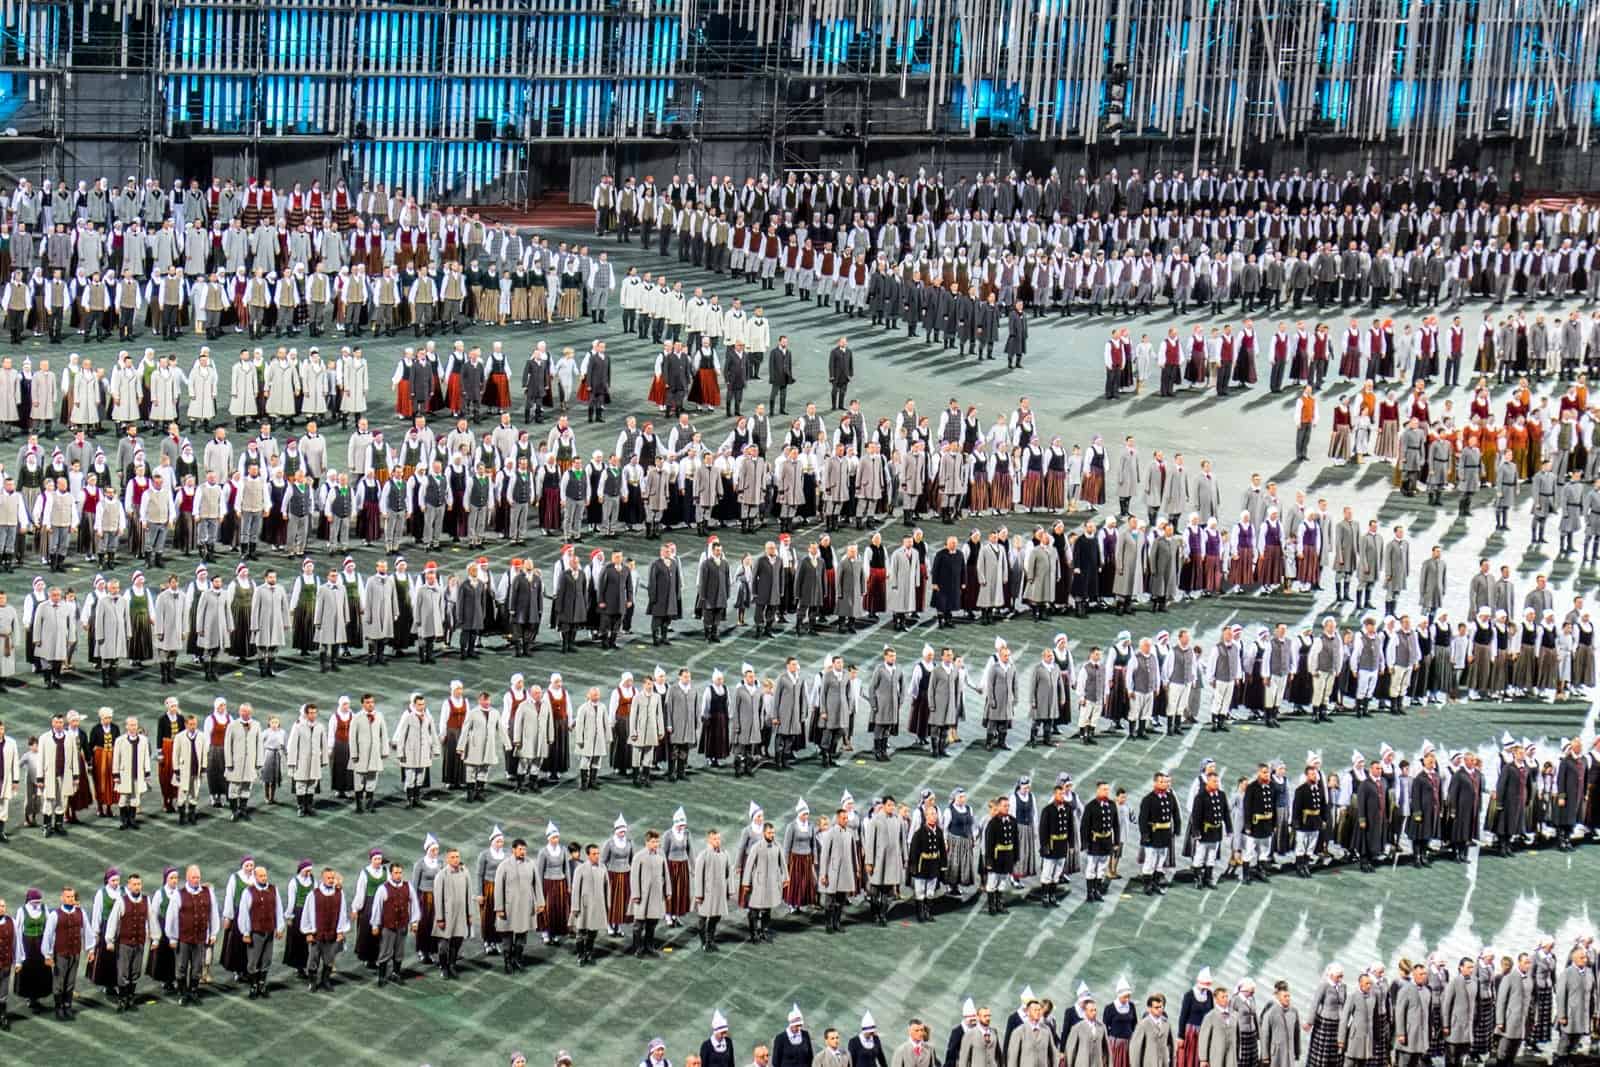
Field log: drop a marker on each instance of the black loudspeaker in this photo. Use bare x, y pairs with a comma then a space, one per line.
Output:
981, 128
483, 130
509, 132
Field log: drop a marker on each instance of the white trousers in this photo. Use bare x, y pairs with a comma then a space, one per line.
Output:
1366, 684
1155, 858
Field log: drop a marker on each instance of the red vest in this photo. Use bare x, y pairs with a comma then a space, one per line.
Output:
396, 906
326, 907
1173, 352
341, 729
457, 716
218, 733
135, 917
8, 942
263, 909
69, 932
194, 916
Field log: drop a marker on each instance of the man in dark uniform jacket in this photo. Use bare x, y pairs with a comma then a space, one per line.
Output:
1160, 823
999, 853
664, 600
1308, 818
1102, 838
841, 368
1016, 336
735, 367
1372, 824
1058, 839
780, 375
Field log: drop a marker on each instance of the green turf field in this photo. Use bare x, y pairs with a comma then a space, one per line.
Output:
605, 1015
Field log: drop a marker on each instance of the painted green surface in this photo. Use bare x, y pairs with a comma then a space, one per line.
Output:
605, 1015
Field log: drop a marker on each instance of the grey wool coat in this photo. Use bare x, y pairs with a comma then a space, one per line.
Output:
646, 722
682, 714
1574, 1000
111, 627
999, 691
905, 567
1152, 1044
331, 615
1278, 1035
369, 743
1355, 1027
307, 753
744, 722
993, 569
242, 752
1039, 574
518, 894
379, 608
212, 621
944, 696
836, 867
1129, 580
1456, 1009
1029, 1047
169, 623
713, 885
1511, 1003
1086, 1044
588, 891
1219, 1039
884, 844
1411, 1005
648, 882
591, 736
269, 616
53, 628
765, 871
886, 691
453, 909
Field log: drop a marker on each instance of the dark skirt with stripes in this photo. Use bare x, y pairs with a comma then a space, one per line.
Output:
1323, 1049
617, 902
680, 900
1483, 1026
1542, 1014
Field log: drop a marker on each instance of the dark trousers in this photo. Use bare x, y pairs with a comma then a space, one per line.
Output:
836, 395
778, 400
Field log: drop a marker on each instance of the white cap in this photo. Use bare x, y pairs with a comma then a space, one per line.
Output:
551, 830
755, 809
1203, 979
1123, 986
429, 842
794, 1014
496, 832
620, 823
869, 1025
1027, 994
679, 818
1083, 993
969, 1010
800, 807
717, 1021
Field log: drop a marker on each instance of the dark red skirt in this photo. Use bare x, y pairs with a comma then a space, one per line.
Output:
679, 899
486, 917
1094, 488
658, 391
425, 935
402, 399
876, 599
452, 394
706, 391
497, 391
621, 896
801, 892
557, 903
1242, 570
1269, 568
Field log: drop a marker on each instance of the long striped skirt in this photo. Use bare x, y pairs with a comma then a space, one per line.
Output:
557, 901
801, 892
1483, 1026
1323, 1049
679, 898
486, 918
425, 934
617, 901
1119, 1051
1542, 1014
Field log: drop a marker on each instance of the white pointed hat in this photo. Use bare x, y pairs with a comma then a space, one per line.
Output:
869, 1025
679, 818
800, 807
969, 1010
619, 823
755, 809
794, 1014
1123, 986
718, 1022
551, 830
1203, 979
